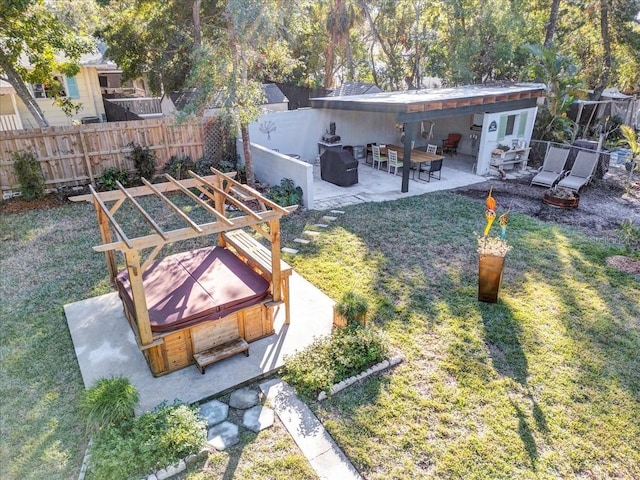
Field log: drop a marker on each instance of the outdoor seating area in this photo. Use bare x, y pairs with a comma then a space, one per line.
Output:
582, 171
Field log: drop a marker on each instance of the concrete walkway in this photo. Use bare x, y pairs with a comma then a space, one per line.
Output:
325, 457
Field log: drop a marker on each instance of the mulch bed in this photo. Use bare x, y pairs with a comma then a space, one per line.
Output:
624, 264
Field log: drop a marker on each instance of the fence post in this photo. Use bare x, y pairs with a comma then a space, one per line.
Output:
87, 161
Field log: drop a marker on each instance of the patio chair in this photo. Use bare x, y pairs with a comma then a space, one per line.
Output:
582, 171
393, 162
450, 144
429, 149
432, 168
552, 168
377, 158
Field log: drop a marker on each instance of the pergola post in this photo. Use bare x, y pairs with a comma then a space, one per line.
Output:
274, 229
132, 257
105, 234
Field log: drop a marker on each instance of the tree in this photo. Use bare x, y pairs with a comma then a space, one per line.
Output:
151, 39
30, 30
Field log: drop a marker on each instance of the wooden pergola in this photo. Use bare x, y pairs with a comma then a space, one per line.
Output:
217, 192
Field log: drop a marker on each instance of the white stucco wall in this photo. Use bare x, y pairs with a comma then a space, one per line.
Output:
490, 139
271, 167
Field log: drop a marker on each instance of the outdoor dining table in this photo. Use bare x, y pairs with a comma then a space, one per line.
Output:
417, 156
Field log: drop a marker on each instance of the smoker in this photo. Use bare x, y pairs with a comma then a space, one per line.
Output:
338, 167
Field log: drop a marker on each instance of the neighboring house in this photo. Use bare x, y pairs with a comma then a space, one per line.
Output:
276, 101
354, 88
83, 88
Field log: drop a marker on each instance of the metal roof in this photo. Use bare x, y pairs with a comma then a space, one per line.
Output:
414, 105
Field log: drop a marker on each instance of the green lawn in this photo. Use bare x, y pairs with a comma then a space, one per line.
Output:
543, 384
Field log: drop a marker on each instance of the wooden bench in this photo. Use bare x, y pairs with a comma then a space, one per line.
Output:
220, 352
259, 258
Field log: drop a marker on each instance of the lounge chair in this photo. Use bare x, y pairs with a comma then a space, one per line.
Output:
553, 167
582, 171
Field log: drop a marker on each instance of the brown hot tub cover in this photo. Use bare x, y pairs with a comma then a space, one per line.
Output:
190, 287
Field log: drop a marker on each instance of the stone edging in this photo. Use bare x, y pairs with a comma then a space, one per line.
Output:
396, 359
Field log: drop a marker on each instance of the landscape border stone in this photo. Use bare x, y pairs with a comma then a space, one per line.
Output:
378, 367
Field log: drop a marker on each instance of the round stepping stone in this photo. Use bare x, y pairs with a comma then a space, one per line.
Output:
223, 435
244, 398
214, 412
258, 418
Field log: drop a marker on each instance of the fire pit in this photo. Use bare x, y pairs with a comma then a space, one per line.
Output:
561, 197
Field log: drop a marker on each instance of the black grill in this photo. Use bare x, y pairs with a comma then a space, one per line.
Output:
338, 167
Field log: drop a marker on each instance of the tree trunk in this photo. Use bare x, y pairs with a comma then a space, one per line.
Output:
248, 161
25, 95
197, 30
606, 43
553, 22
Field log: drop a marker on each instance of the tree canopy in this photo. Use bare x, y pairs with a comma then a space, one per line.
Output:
34, 45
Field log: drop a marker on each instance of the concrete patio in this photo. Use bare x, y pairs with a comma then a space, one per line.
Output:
378, 186
105, 347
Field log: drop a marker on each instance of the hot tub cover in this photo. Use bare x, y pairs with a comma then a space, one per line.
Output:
194, 286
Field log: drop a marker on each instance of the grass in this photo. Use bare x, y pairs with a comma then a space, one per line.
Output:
543, 384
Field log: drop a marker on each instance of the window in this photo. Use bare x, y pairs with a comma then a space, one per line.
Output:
507, 124
511, 121
60, 86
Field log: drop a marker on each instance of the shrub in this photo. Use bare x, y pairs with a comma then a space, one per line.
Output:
111, 175
152, 441
286, 193
177, 166
110, 401
144, 161
353, 307
29, 174
630, 235
202, 166
329, 360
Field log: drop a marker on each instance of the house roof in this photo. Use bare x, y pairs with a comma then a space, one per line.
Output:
417, 105
183, 97
355, 88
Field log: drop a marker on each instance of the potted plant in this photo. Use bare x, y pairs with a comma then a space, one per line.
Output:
491, 251
351, 310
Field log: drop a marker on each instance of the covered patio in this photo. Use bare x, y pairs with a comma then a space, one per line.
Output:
485, 117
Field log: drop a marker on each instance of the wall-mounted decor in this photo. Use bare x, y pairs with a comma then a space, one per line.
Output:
493, 126
268, 127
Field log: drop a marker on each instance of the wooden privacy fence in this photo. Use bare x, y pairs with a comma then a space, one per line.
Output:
78, 155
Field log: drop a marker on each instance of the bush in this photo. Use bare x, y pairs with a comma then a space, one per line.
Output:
110, 401
353, 307
329, 360
630, 235
203, 166
178, 166
111, 175
29, 174
286, 193
152, 441
144, 161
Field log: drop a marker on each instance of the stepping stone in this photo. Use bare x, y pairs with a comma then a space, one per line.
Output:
321, 225
339, 212
311, 233
258, 418
223, 435
292, 251
301, 240
244, 398
326, 218
214, 412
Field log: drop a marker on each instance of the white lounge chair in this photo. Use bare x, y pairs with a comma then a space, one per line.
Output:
553, 167
582, 171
